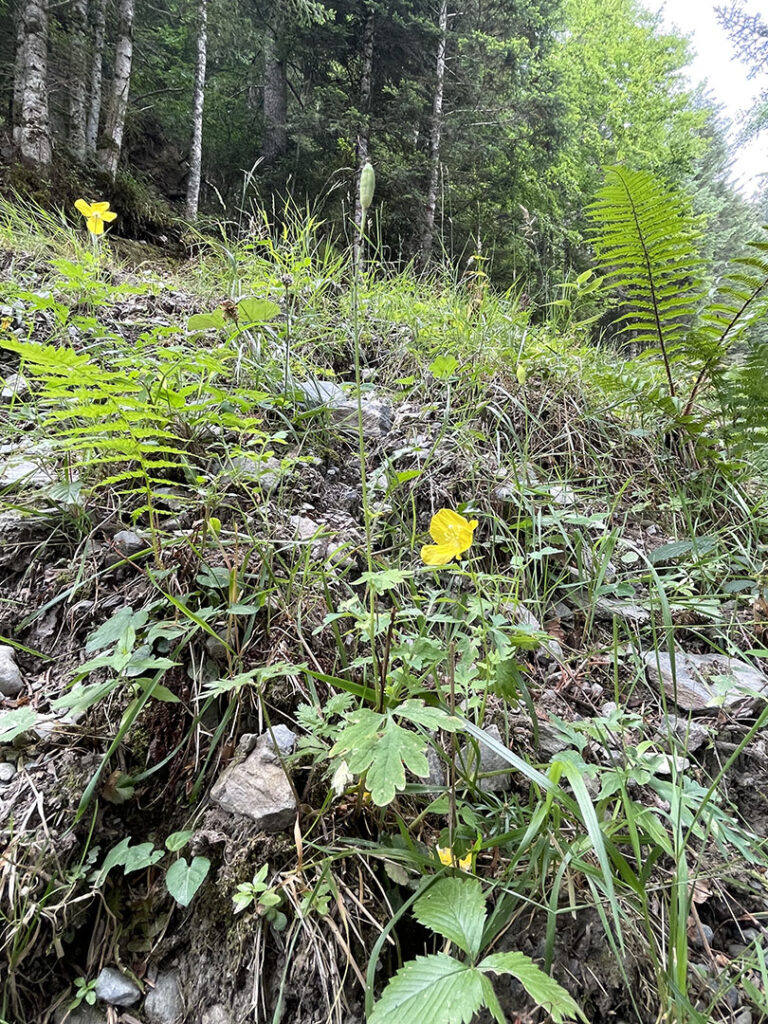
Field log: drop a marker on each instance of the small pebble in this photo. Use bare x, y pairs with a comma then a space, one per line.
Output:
7, 773
11, 683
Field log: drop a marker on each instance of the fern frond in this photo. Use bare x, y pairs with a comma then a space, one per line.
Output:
646, 241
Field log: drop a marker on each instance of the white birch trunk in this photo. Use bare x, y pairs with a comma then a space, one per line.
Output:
196, 148
98, 17
366, 72
428, 227
35, 135
111, 140
77, 77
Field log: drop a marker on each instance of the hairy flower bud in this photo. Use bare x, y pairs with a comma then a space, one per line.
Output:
367, 185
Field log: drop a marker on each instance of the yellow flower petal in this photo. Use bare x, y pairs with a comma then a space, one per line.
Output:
438, 554
453, 535
95, 225
100, 207
109, 215
85, 208
465, 863
445, 853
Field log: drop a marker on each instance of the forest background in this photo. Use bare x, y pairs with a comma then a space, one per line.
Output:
489, 126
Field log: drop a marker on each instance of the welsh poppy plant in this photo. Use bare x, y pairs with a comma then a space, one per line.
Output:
452, 534
95, 215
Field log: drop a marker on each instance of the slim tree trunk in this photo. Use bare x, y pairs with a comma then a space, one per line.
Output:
19, 72
111, 140
98, 17
78, 66
366, 71
35, 136
275, 141
196, 149
428, 228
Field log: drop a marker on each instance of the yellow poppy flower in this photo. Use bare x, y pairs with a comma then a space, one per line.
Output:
95, 215
452, 534
447, 857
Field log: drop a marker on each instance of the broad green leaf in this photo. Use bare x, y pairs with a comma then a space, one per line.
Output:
545, 991
431, 990
139, 857
121, 626
256, 311
183, 880
206, 321
385, 579
115, 856
176, 840
455, 908
14, 723
444, 367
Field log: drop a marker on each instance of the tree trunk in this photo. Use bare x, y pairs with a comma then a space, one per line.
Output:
19, 70
111, 140
196, 149
35, 135
428, 227
275, 141
98, 9
77, 77
366, 71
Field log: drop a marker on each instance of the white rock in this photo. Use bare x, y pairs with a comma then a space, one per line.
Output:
11, 683
7, 772
114, 987
15, 386
705, 680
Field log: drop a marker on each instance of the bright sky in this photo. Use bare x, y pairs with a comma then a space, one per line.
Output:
726, 76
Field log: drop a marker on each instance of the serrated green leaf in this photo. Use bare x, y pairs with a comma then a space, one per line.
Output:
545, 991
183, 880
434, 718
454, 908
430, 990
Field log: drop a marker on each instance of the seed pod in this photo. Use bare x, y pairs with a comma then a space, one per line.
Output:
367, 185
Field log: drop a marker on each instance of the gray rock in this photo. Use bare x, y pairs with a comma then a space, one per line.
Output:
15, 386
705, 680
216, 648
266, 472
112, 986
280, 741
609, 608
83, 1014
129, 543
7, 772
20, 471
163, 1004
324, 546
743, 1017
437, 773
550, 740
490, 761
513, 483
377, 417
690, 733
11, 683
258, 787
216, 1014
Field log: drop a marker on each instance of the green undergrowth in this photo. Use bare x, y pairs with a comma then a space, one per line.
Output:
177, 404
